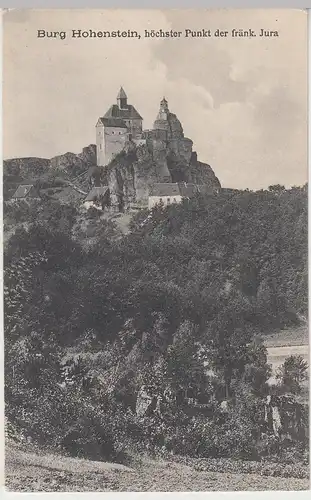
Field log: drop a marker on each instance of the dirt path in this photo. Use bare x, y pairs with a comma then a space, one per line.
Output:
28, 472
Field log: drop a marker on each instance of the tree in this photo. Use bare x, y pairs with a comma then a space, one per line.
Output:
292, 373
276, 188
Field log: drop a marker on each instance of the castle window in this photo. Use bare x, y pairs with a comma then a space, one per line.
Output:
168, 201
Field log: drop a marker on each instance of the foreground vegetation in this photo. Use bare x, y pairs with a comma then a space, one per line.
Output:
176, 309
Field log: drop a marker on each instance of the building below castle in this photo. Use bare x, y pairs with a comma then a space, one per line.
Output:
169, 193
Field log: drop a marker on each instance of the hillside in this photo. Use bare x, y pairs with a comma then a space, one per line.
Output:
169, 315
48, 173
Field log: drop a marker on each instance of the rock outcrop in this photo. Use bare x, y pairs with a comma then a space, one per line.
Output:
161, 155
49, 173
72, 164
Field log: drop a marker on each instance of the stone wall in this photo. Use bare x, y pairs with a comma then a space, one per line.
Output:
115, 139
100, 145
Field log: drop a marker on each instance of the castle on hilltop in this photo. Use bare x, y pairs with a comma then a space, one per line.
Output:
159, 165
123, 123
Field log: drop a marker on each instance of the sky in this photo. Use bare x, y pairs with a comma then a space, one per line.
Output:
243, 100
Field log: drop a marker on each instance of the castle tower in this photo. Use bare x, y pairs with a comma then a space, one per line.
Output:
161, 121
122, 99
164, 111
120, 123
167, 124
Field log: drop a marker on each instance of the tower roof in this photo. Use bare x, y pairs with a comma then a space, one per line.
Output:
121, 94
115, 112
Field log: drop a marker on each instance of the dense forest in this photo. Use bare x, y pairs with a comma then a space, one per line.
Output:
177, 308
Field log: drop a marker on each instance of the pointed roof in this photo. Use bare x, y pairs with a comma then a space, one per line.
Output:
26, 191
113, 122
116, 115
127, 113
96, 193
121, 94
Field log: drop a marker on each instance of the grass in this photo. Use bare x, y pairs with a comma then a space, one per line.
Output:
288, 337
29, 472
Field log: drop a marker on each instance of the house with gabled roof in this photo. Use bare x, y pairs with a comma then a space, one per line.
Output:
119, 124
26, 192
98, 197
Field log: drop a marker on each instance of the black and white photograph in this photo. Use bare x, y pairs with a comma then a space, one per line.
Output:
155, 250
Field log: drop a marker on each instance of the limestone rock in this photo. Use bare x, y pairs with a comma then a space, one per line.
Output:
133, 171
146, 402
67, 163
162, 155
202, 173
175, 130
88, 155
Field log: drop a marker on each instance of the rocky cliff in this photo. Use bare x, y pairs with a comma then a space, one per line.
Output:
66, 165
48, 173
162, 155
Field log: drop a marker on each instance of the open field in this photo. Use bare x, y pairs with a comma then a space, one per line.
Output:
28, 472
289, 337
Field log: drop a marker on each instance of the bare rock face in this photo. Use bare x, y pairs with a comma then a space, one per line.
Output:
69, 162
133, 171
88, 155
163, 155
175, 130
146, 402
202, 173
71, 165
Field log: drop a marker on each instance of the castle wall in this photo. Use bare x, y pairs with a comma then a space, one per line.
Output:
114, 139
135, 127
100, 145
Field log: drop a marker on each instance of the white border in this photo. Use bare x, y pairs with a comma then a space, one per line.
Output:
256, 495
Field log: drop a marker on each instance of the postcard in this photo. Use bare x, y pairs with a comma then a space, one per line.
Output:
155, 204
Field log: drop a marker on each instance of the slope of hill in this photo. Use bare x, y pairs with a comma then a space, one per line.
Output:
190, 287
